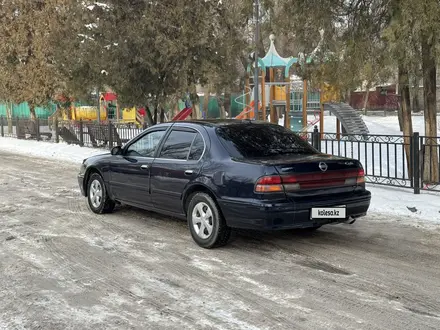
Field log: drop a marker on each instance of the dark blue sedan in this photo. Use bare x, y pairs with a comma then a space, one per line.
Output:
227, 174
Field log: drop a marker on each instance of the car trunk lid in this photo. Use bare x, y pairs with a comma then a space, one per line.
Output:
316, 175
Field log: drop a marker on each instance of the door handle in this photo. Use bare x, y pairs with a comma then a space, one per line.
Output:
189, 172
145, 167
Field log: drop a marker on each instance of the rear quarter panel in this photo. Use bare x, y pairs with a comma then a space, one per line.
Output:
231, 179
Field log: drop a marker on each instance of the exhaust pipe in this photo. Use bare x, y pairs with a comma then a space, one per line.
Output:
350, 221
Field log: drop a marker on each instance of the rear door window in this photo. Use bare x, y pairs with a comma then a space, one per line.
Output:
197, 148
178, 145
261, 140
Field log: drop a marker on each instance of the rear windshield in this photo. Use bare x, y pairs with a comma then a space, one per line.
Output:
261, 140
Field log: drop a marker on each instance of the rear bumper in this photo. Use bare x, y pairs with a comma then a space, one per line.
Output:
288, 215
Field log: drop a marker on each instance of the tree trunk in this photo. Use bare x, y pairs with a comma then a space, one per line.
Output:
9, 117
367, 96
195, 100
155, 114
430, 169
415, 96
405, 113
32, 111
221, 105
206, 102
69, 111
347, 96
162, 114
149, 117
227, 105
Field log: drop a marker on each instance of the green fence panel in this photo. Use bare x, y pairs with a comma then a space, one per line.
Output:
3, 110
22, 110
181, 105
237, 101
213, 107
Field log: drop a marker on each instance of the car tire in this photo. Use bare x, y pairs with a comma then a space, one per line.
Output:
97, 196
207, 226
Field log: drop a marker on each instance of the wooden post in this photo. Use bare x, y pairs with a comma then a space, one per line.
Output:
304, 107
263, 94
272, 89
287, 112
57, 132
247, 94
117, 111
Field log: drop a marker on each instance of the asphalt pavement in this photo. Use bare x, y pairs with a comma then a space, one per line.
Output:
63, 267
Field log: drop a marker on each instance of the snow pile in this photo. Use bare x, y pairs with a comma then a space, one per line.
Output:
58, 151
402, 204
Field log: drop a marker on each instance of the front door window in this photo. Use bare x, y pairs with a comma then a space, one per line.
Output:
146, 146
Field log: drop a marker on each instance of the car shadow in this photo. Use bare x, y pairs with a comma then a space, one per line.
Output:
338, 235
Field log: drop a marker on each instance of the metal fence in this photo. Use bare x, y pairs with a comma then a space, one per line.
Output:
392, 160
82, 133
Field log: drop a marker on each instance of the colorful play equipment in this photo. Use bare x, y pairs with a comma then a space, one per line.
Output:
285, 94
183, 114
109, 110
249, 111
281, 93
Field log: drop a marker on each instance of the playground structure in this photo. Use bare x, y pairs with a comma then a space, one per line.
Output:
109, 110
282, 94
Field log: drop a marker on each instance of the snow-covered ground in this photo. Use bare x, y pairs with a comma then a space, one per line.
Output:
59, 151
386, 200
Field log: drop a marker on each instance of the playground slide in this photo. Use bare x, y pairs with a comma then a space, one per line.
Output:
248, 111
182, 115
312, 123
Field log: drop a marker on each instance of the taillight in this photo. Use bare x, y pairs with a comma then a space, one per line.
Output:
295, 182
360, 176
269, 184
276, 184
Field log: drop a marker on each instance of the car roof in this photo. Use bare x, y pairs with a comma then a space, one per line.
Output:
222, 122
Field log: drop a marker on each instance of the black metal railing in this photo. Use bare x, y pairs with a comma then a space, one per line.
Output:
392, 160
82, 133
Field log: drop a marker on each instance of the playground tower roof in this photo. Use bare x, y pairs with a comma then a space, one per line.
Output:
273, 59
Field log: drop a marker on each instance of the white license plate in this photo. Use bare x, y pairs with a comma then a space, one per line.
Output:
328, 213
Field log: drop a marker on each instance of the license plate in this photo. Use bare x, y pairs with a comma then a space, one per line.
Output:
328, 213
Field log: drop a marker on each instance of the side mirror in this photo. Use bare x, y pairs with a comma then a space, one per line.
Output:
116, 150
